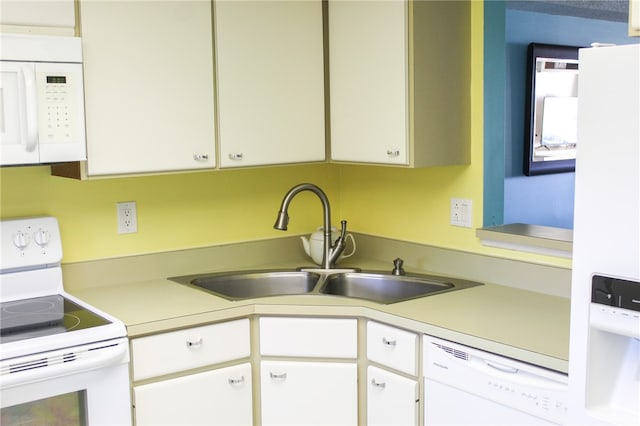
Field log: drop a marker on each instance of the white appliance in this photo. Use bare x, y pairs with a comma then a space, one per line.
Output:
41, 100
466, 386
60, 359
604, 355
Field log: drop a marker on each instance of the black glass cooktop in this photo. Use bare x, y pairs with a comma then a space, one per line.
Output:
44, 316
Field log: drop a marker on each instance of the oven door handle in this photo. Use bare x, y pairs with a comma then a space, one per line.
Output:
62, 363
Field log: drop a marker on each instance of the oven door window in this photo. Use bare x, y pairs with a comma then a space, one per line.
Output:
68, 409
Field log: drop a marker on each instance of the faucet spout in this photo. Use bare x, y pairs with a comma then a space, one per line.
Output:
329, 255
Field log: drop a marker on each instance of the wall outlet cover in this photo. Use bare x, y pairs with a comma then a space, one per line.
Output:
127, 217
461, 212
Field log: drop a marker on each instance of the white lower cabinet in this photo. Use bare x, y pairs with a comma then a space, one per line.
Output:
216, 397
306, 391
391, 399
175, 380
309, 393
307, 374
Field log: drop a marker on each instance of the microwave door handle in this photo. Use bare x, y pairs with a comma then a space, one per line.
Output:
30, 96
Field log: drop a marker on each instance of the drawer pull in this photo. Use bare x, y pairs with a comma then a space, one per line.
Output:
380, 385
201, 157
388, 342
237, 381
194, 343
275, 376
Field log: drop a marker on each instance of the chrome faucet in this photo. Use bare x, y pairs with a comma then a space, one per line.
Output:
331, 250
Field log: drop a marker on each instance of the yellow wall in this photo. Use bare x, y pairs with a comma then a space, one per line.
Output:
199, 209
174, 211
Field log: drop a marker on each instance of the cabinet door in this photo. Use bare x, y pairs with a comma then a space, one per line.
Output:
52, 16
309, 393
217, 397
148, 68
391, 399
270, 79
369, 81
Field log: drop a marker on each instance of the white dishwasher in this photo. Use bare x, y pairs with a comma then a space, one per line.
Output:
466, 386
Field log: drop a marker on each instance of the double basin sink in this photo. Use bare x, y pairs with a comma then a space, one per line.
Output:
378, 287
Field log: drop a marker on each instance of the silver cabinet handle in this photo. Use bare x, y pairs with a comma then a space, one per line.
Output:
391, 153
275, 376
194, 343
380, 385
201, 157
237, 381
236, 156
388, 342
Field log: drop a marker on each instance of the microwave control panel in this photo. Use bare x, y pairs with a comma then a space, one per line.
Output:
60, 104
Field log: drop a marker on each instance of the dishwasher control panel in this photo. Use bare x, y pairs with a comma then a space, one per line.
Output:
536, 391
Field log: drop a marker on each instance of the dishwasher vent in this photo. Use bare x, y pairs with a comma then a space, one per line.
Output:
453, 352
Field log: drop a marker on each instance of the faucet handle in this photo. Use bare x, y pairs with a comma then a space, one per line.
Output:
343, 229
342, 237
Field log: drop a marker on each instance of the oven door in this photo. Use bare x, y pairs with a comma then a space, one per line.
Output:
88, 385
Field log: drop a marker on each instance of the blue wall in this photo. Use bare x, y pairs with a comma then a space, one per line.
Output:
541, 200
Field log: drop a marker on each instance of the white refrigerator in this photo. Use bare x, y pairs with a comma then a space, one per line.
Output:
604, 358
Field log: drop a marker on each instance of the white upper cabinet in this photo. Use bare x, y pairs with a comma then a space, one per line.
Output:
399, 76
38, 16
270, 82
368, 81
148, 68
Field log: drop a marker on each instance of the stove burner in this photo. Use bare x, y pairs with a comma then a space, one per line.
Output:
44, 316
42, 320
20, 307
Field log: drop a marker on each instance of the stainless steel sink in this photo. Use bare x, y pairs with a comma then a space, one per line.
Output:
385, 288
378, 287
248, 285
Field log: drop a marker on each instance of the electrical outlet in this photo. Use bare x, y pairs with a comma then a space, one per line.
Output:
461, 210
127, 220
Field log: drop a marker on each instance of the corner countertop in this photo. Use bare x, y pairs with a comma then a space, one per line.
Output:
524, 325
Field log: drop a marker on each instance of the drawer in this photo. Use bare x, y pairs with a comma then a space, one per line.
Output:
392, 347
190, 348
312, 337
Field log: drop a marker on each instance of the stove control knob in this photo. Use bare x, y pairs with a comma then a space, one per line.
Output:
21, 240
42, 237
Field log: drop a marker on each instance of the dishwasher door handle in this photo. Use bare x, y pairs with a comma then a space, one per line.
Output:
503, 368
514, 375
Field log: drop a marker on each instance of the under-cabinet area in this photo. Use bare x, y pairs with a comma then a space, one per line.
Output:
286, 370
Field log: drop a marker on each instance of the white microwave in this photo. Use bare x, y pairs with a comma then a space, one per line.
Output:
41, 100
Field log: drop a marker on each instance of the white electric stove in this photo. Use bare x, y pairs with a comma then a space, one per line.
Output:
59, 356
